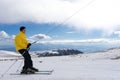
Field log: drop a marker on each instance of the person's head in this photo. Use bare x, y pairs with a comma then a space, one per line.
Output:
23, 29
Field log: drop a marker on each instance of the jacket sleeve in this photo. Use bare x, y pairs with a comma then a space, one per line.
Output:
26, 41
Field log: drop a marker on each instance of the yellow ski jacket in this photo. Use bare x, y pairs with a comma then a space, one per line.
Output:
20, 41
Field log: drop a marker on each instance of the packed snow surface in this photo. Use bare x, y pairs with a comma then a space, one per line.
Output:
89, 66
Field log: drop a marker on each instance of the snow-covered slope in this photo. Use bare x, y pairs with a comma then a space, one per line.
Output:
89, 66
9, 55
4, 53
107, 54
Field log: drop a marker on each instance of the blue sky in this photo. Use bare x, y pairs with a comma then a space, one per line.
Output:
55, 31
60, 20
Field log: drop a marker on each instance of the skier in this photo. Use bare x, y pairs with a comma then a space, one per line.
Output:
22, 46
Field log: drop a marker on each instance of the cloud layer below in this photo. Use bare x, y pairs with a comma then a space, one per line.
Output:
6, 39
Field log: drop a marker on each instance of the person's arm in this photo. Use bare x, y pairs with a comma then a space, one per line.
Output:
27, 43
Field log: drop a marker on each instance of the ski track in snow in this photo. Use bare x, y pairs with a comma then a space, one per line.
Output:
89, 66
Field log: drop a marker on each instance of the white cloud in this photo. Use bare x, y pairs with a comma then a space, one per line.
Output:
5, 38
39, 37
77, 42
100, 14
117, 33
3, 34
70, 32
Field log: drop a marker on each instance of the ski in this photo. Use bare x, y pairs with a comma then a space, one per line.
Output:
45, 71
31, 74
42, 72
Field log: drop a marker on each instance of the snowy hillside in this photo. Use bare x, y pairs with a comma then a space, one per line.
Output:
88, 66
9, 55
107, 54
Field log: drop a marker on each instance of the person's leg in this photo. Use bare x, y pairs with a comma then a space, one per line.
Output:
22, 52
27, 62
30, 62
27, 59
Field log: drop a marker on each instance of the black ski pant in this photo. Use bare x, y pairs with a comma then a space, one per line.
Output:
27, 59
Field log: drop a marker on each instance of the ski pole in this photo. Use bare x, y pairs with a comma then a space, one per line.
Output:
7, 70
35, 42
19, 66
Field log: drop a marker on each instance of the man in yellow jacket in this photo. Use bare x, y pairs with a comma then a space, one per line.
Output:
22, 46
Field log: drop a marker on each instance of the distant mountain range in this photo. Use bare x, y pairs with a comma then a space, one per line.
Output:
57, 52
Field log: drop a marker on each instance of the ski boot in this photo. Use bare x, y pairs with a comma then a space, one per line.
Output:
34, 69
27, 71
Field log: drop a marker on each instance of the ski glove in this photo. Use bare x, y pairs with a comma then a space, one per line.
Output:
29, 44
